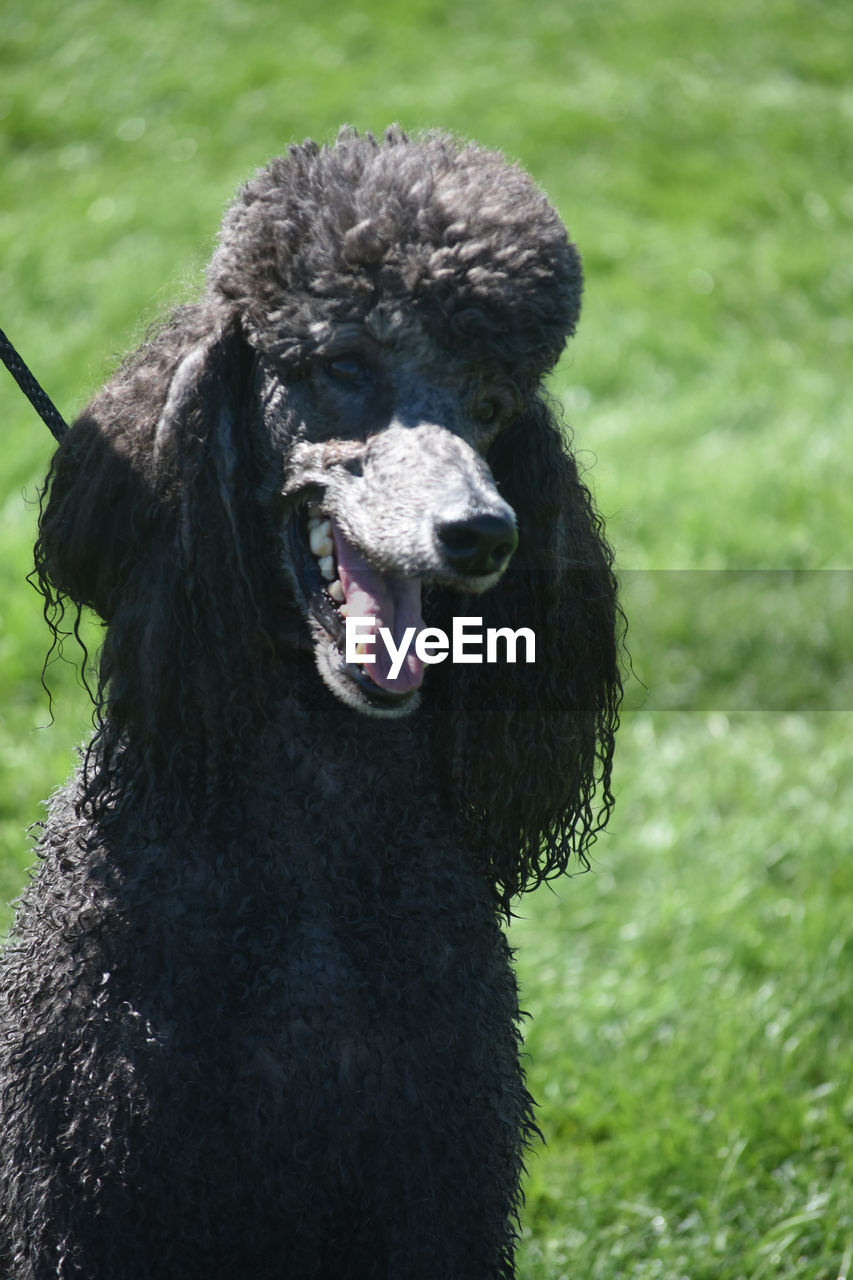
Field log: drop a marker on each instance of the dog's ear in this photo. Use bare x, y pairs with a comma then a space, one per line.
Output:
160, 431
147, 518
527, 747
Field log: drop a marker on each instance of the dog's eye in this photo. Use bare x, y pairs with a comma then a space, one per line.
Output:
485, 410
348, 369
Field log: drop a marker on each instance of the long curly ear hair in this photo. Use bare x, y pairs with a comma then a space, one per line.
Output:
145, 519
527, 749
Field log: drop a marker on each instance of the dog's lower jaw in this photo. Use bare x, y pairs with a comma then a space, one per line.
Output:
353, 687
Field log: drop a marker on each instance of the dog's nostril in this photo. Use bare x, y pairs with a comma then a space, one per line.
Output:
478, 545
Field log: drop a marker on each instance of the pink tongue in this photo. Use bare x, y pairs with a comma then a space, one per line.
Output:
393, 602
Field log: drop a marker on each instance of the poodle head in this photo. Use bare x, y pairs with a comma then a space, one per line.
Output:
404, 301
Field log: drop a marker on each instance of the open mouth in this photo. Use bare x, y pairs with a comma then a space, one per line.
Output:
339, 583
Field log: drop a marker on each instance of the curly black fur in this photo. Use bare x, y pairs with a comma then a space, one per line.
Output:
258, 1012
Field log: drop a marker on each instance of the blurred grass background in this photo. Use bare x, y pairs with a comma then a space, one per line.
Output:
692, 1014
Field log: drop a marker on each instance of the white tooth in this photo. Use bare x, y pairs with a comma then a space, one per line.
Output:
313, 521
336, 591
327, 567
320, 539
343, 610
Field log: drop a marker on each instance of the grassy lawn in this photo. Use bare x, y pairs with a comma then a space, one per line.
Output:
691, 1043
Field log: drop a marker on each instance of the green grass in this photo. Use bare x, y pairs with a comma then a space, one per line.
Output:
691, 1039
692, 1013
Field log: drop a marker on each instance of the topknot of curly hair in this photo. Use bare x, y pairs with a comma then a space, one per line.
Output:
326, 232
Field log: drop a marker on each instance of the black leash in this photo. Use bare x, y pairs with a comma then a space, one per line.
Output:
36, 395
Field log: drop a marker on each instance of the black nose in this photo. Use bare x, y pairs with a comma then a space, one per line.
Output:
479, 545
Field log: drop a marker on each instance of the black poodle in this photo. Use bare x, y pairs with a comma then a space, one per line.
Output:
258, 1012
